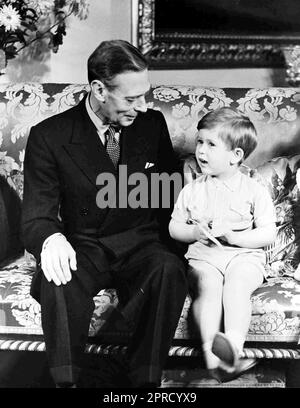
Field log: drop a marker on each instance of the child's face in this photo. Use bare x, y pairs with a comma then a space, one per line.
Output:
214, 157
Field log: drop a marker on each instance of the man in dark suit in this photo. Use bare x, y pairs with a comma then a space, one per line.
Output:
82, 247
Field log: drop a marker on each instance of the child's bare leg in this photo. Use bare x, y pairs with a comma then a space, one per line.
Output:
241, 279
207, 284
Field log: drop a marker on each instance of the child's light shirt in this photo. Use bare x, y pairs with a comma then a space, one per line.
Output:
239, 203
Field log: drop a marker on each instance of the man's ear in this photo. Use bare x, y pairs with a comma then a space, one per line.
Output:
99, 90
237, 155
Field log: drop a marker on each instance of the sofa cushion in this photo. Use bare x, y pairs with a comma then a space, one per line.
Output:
275, 315
273, 111
21, 314
279, 176
275, 114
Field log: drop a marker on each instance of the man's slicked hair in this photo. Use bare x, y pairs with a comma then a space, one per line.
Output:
234, 128
114, 57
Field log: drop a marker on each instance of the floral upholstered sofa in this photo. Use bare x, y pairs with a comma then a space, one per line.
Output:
275, 325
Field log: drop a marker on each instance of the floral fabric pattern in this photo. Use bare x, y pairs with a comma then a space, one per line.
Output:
275, 313
20, 313
23, 106
279, 176
274, 111
275, 309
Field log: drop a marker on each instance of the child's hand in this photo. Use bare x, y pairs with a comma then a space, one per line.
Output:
200, 236
221, 231
228, 237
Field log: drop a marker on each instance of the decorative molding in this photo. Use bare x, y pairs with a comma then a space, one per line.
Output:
259, 352
134, 22
292, 59
39, 346
146, 9
175, 351
206, 55
178, 50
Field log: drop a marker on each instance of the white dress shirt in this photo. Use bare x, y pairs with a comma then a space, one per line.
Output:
101, 128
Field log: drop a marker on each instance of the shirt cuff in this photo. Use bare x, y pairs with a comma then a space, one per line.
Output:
47, 240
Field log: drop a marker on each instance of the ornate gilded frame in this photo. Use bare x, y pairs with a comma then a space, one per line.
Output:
175, 50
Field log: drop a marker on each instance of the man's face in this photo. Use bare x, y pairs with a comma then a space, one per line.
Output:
126, 99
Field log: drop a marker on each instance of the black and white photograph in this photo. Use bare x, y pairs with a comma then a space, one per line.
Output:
149, 198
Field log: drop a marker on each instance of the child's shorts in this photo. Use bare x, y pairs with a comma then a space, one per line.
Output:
222, 259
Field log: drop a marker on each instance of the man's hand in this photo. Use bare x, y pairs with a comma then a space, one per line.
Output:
57, 259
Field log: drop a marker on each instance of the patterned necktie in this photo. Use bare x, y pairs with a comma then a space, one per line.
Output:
112, 145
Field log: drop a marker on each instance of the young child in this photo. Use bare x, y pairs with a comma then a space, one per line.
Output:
226, 204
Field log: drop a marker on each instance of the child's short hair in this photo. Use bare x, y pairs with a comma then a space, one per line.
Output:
235, 129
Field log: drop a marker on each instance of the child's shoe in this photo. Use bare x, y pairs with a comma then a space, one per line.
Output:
223, 374
223, 348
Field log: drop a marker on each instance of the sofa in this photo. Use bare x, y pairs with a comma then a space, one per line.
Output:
275, 324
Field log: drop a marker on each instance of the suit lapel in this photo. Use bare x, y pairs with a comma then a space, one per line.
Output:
88, 153
85, 147
134, 147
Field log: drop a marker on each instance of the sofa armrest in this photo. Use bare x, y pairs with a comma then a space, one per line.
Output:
10, 220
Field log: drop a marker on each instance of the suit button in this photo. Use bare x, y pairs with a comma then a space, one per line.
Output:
84, 211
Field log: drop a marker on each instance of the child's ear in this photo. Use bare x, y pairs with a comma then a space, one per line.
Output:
237, 155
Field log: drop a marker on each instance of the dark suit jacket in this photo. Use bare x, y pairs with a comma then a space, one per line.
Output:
63, 158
